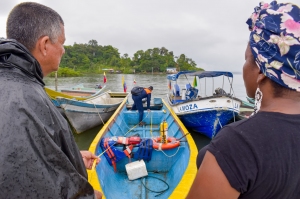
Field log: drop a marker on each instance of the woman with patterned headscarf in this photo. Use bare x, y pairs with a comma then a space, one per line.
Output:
260, 157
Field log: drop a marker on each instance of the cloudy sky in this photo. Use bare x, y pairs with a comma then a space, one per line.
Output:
213, 33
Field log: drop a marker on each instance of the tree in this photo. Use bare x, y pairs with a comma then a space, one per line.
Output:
125, 55
93, 42
91, 57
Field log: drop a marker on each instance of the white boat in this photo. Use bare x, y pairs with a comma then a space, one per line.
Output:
86, 114
81, 90
205, 114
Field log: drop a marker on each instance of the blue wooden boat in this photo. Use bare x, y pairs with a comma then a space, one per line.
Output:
91, 112
199, 111
170, 172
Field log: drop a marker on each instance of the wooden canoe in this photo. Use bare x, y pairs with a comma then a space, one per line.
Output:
170, 172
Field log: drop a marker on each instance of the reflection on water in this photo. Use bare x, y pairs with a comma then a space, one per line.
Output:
200, 140
114, 83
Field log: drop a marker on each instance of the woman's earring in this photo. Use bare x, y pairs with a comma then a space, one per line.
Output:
258, 98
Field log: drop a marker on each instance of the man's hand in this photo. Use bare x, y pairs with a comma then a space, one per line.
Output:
89, 158
98, 194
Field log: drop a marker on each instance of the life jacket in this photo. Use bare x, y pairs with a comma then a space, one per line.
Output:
145, 150
114, 155
148, 91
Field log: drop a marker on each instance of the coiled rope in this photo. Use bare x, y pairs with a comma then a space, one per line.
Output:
159, 192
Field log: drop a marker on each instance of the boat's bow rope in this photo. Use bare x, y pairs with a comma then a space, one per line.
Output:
98, 113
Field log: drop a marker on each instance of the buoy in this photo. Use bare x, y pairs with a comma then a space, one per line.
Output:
171, 144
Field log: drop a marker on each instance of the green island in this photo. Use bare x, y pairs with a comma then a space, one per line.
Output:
81, 59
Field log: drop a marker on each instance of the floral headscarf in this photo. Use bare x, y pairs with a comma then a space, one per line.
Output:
275, 42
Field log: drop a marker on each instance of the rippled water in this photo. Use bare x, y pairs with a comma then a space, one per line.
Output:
160, 84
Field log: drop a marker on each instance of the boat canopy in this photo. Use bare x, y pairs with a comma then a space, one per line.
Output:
174, 77
202, 74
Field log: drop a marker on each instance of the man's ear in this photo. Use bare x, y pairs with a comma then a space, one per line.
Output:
40, 52
42, 45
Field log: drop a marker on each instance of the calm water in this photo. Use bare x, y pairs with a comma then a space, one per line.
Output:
160, 85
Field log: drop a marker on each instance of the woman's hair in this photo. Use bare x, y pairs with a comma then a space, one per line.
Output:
27, 22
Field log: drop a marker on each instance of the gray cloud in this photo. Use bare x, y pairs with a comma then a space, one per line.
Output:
213, 33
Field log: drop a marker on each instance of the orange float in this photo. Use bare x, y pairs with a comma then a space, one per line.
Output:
171, 143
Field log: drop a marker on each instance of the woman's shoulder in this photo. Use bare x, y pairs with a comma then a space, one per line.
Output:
262, 120
258, 129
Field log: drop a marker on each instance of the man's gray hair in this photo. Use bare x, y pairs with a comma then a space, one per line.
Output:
29, 21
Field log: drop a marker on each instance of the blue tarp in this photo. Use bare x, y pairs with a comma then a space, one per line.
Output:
200, 74
174, 77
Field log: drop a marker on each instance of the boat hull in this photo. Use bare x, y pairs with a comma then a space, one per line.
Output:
86, 114
177, 167
83, 118
207, 115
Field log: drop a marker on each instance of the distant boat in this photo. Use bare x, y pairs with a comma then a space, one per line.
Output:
91, 112
247, 108
251, 100
54, 94
204, 114
81, 90
168, 174
245, 112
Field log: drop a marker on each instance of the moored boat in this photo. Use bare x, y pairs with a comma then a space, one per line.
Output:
153, 169
202, 112
54, 94
82, 91
91, 112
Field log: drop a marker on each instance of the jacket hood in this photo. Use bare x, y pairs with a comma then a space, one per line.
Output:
14, 55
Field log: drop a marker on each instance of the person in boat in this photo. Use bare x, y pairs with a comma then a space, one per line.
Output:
98, 86
258, 157
38, 154
138, 102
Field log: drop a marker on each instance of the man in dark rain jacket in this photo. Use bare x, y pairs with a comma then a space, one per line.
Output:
138, 102
38, 155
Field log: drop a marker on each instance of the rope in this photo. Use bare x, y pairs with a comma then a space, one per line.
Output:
220, 126
233, 95
135, 125
98, 113
159, 192
151, 126
169, 156
184, 136
220, 123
